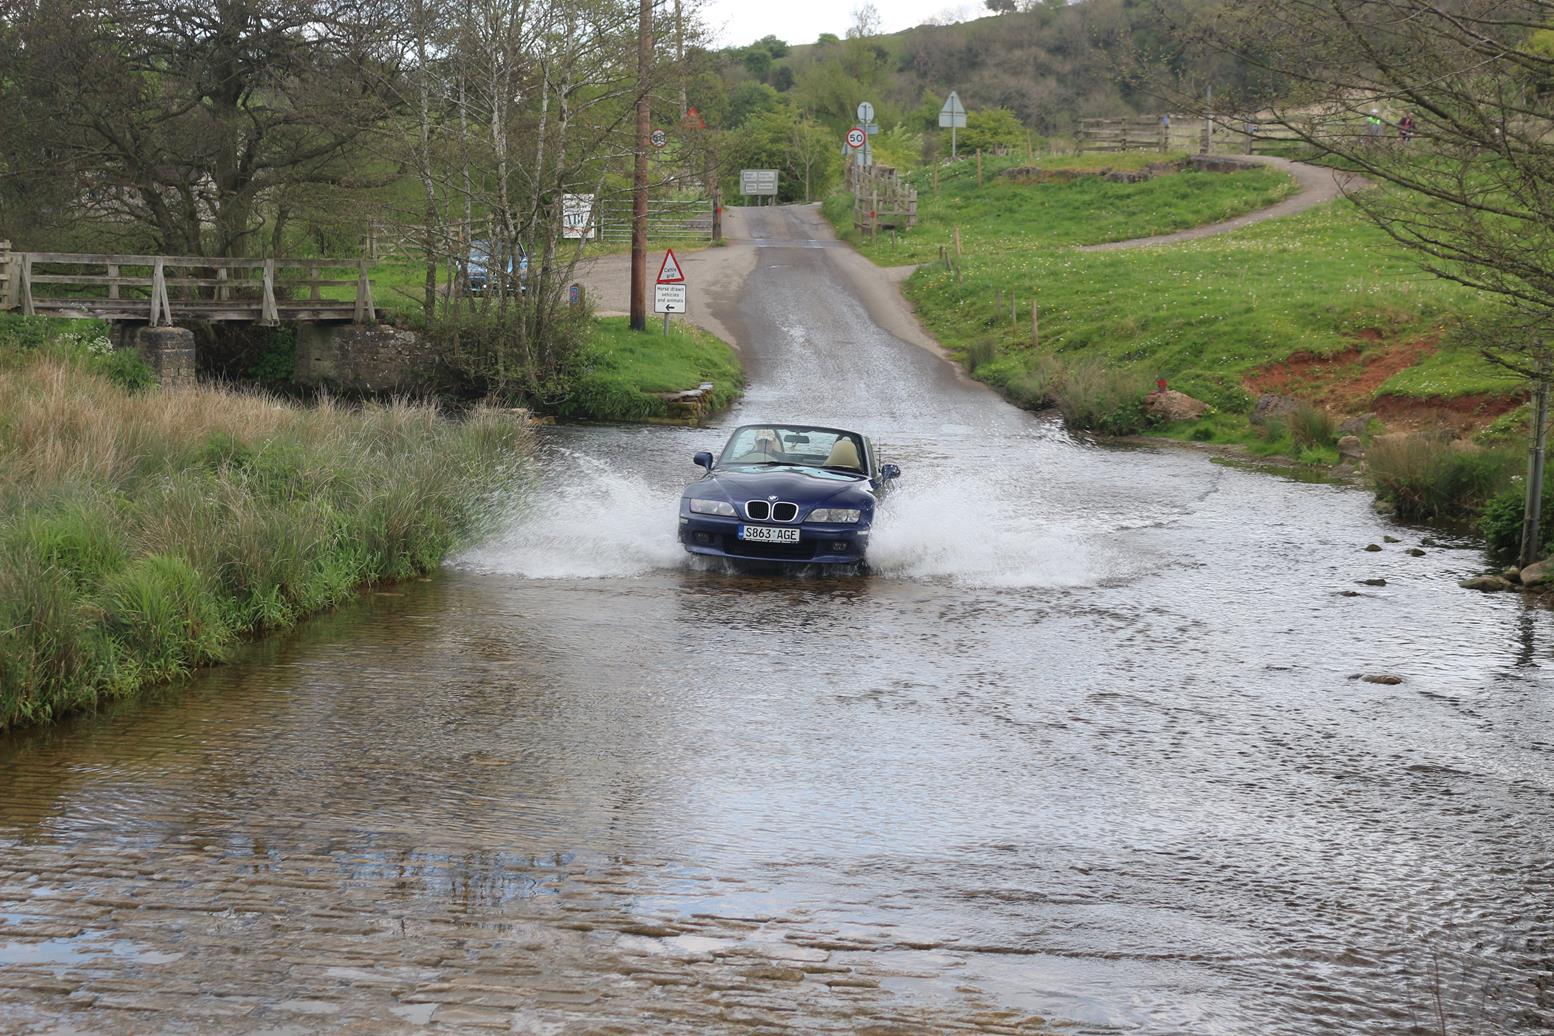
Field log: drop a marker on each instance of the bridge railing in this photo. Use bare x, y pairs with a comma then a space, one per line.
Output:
157, 288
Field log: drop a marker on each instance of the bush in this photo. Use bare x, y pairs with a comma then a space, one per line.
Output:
1501, 521
1426, 477
1095, 397
981, 352
1310, 427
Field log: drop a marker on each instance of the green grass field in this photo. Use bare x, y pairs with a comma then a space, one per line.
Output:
1006, 215
1208, 315
620, 368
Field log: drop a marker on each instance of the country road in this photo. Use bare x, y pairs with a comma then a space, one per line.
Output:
1088, 753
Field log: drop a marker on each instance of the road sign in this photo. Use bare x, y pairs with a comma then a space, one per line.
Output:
577, 216
865, 112
659, 138
758, 181
953, 114
670, 272
856, 138
668, 298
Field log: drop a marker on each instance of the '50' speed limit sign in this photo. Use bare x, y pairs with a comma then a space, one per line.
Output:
855, 137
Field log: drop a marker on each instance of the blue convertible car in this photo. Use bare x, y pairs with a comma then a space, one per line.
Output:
788, 493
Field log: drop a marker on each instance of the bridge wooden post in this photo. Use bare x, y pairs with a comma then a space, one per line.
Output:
113, 280
269, 315
366, 312
9, 273
161, 309
25, 287
222, 291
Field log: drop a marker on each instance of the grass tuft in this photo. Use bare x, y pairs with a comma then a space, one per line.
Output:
1429, 477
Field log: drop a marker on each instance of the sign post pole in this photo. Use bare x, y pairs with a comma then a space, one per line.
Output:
953, 117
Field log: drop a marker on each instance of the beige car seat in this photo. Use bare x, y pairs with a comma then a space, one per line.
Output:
844, 455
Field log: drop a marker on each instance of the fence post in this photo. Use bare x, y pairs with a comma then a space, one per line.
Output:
158, 291
979, 168
222, 292
26, 285
1035, 327
269, 314
364, 305
958, 252
8, 270
113, 280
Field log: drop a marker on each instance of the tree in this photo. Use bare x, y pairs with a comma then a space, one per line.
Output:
988, 128
804, 153
188, 118
1002, 6
866, 22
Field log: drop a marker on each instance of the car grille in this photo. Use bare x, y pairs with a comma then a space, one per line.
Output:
761, 511
736, 547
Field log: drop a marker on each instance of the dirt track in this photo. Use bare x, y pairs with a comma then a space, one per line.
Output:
1317, 186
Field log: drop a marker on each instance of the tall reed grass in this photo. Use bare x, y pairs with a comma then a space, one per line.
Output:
143, 533
1429, 477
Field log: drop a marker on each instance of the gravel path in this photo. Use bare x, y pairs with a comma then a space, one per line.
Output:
1317, 186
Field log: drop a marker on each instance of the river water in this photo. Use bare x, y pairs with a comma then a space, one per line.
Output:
1089, 750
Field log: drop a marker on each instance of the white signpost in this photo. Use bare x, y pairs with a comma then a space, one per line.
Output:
759, 183
577, 212
952, 117
669, 294
869, 127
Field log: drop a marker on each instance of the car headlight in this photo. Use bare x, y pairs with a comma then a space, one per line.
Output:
723, 507
838, 515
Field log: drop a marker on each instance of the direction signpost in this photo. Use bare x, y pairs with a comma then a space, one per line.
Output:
758, 183
870, 127
952, 117
669, 293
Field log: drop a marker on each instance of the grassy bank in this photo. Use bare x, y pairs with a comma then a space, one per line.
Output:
619, 370
143, 532
1018, 211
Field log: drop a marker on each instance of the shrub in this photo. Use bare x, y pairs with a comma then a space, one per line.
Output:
1311, 427
981, 352
1094, 397
1430, 477
1501, 521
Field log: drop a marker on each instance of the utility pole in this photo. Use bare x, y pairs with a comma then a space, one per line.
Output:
1533, 514
679, 55
639, 206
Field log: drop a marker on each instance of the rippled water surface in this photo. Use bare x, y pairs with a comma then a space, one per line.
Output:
1089, 745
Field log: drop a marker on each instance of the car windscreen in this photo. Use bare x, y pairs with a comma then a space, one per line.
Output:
797, 445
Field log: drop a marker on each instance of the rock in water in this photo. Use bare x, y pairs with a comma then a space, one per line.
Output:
1385, 678
1488, 584
1373, 547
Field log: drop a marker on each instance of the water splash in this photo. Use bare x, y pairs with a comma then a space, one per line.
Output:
586, 520
975, 533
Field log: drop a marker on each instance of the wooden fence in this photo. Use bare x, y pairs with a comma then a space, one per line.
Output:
158, 289
1135, 134
881, 199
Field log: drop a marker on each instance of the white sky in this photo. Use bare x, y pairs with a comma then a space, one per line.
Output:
735, 23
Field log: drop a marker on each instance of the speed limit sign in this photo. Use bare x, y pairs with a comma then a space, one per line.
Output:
659, 138
855, 137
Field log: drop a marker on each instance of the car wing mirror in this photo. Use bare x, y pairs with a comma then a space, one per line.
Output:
704, 459
889, 471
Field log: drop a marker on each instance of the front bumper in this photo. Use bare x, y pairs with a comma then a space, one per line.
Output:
817, 545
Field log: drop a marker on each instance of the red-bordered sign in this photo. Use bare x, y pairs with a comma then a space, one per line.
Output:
856, 137
670, 272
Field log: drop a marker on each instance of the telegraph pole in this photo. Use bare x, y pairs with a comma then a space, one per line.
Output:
639, 208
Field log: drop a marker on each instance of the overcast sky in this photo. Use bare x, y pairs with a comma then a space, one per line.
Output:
737, 22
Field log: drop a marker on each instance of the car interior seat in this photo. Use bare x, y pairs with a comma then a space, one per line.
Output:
844, 455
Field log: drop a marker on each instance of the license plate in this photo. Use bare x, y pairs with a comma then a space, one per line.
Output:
767, 534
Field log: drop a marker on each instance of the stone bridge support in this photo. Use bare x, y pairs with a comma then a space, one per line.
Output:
358, 357
168, 350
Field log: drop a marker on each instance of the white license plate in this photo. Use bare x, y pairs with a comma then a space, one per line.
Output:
767, 534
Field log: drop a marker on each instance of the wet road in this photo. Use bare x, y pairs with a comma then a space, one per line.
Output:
1087, 754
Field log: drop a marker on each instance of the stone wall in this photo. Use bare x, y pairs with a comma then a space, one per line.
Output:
170, 352
358, 357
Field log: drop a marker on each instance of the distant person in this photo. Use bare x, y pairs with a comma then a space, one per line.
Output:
1373, 125
1406, 127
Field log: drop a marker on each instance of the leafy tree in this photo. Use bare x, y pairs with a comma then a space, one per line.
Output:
1002, 6
757, 60
750, 99
804, 153
899, 147
783, 79
828, 38
991, 127
775, 47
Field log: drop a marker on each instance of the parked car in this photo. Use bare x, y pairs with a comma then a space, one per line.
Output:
478, 277
788, 493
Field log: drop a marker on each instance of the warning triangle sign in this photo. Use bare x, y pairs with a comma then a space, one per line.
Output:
669, 273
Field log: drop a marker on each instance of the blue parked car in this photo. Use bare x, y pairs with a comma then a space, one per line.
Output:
797, 494
478, 278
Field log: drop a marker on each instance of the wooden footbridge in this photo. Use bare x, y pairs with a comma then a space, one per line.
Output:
158, 290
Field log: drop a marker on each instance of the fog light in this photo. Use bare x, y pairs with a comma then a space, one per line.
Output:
839, 546
702, 537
